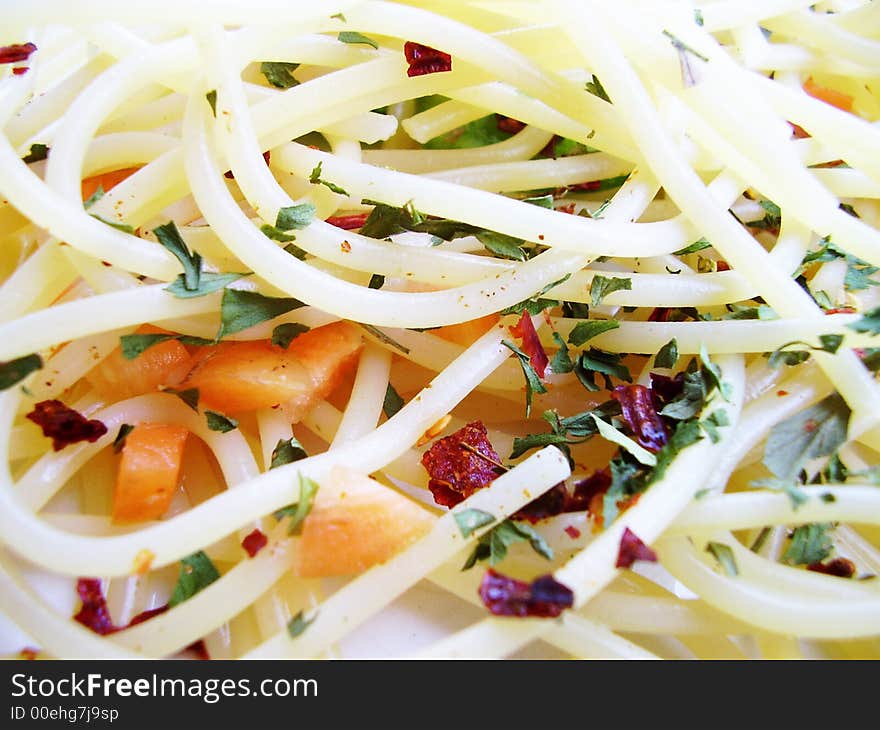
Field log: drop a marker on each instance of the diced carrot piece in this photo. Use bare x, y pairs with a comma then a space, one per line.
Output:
106, 181
244, 376
356, 523
466, 333
828, 95
164, 364
148, 472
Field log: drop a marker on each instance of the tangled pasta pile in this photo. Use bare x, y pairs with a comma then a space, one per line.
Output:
362, 328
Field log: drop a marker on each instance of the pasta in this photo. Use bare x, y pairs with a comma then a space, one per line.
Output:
540, 328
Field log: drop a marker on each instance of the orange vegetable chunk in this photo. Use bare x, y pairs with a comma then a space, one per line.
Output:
164, 364
466, 333
244, 376
828, 95
356, 523
148, 472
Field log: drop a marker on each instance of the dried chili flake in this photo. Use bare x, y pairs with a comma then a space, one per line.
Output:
456, 472
666, 389
525, 331
94, 613
423, 60
509, 124
16, 52
659, 314
348, 222
587, 489
254, 542
64, 425
632, 549
553, 502
573, 532
148, 614
841, 310
29, 653
19, 70
839, 567
640, 413
200, 649
544, 597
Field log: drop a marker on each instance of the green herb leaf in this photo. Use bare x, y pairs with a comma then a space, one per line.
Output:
796, 495
190, 396
623, 484
171, 239
724, 555
393, 402
542, 201
286, 333
37, 152
681, 47
835, 470
347, 36
377, 281
607, 364
295, 217
809, 544
601, 287
219, 422
868, 323
469, 520
596, 89
300, 510
533, 382
494, 544
276, 234
668, 355
817, 431
196, 573
561, 362
209, 282
242, 309
502, 245
287, 451
315, 179
121, 435
279, 73
211, 96
133, 345
575, 310
14, 371
584, 331
298, 624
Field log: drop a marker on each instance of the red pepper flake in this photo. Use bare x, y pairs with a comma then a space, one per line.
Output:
839, 567
722, 266
456, 472
29, 653
640, 414
199, 649
811, 425
666, 389
266, 156
425, 60
841, 310
19, 70
94, 613
553, 502
659, 314
798, 131
589, 187
509, 124
569, 208
16, 52
345, 246
531, 343
573, 532
544, 597
782, 393
254, 542
586, 489
64, 425
632, 549
348, 222
148, 614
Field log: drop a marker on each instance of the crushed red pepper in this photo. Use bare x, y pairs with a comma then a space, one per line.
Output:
838, 567
525, 331
254, 542
640, 413
348, 222
632, 549
455, 472
64, 425
423, 60
544, 597
16, 52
